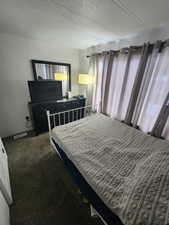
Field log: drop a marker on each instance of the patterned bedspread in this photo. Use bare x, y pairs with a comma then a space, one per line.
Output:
127, 169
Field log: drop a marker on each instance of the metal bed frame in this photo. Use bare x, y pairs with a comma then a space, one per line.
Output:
62, 118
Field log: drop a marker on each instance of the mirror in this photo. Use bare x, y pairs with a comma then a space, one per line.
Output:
45, 70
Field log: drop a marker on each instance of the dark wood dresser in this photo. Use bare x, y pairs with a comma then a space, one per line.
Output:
38, 111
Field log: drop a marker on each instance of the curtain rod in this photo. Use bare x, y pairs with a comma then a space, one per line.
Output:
115, 51
163, 43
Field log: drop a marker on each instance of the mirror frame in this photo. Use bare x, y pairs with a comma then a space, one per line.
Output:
33, 62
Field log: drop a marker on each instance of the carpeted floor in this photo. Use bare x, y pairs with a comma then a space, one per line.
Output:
43, 192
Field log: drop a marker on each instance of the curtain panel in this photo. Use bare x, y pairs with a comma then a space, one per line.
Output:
132, 85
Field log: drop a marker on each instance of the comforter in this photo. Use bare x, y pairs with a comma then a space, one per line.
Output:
127, 169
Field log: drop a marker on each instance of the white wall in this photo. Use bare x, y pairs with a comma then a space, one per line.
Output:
15, 70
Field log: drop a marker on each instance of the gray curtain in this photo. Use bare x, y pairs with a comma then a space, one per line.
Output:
132, 86
106, 81
137, 83
162, 119
125, 81
147, 76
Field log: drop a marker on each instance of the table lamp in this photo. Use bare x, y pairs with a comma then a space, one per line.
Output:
60, 76
86, 79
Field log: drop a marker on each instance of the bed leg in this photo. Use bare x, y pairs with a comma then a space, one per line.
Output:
93, 212
49, 125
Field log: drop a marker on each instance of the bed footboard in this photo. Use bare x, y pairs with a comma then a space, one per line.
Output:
61, 118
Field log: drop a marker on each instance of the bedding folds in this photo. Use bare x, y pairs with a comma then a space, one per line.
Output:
127, 169
107, 215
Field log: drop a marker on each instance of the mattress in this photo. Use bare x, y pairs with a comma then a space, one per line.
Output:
128, 170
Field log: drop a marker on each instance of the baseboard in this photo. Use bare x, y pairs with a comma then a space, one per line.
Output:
22, 134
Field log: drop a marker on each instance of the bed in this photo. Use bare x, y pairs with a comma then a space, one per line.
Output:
123, 172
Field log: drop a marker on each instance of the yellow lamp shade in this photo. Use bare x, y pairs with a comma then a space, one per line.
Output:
60, 76
85, 79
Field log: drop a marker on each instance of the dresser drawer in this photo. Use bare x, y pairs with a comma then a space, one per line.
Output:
74, 104
39, 111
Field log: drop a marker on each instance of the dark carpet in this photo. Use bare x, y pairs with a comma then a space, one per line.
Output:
43, 191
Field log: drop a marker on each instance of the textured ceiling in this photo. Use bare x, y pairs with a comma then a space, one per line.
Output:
81, 23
